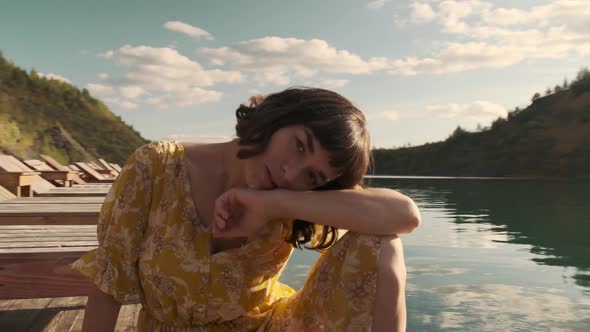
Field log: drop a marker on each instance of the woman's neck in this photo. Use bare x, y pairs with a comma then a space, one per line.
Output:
221, 161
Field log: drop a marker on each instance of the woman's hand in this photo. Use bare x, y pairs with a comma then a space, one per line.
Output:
241, 212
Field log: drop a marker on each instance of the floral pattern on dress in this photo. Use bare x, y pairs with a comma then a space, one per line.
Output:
154, 248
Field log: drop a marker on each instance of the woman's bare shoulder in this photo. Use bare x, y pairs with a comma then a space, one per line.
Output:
195, 153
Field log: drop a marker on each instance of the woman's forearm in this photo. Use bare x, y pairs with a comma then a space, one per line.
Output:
101, 312
376, 211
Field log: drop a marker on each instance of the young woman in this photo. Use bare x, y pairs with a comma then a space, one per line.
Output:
200, 233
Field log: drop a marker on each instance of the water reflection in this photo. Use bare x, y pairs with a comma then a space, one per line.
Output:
552, 217
492, 255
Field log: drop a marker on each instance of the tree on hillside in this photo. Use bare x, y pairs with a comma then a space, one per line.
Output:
582, 82
548, 91
499, 122
565, 83
557, 88
457, 133
536, 96
514, 113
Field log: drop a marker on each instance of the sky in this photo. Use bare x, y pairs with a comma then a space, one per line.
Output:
178, 70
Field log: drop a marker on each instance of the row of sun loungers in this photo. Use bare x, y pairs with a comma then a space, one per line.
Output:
48, 216
34, 177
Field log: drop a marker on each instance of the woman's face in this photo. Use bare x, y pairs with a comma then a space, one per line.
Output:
293, 160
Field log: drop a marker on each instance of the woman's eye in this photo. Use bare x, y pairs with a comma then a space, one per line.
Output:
299, 145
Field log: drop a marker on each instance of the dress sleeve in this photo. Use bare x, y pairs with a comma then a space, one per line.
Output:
113, 266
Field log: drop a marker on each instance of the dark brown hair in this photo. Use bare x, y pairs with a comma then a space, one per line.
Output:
335, 122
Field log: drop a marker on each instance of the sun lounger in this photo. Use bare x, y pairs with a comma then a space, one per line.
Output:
64, 178
19, 183
74, 167
59, 167
17, 176
5, 194
108, 166
116, 167
93, 175
101, 169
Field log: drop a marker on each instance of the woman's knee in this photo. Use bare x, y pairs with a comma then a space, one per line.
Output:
391, 260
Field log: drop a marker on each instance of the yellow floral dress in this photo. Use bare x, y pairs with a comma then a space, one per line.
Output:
153, 248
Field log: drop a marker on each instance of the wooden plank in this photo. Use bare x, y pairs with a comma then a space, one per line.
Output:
45, 250
127, 317
93, 173
80, 190
47, 244
92, 185
116, 167
53, 163
49, 318
6, 304
105, 164
5, 194
74, 307
10, 240
38, 165
22, 314
50, 218
77, 325
41, 274
70, 194
56, 200
11, 164
36, 208
8, 234
41, 227
51, 232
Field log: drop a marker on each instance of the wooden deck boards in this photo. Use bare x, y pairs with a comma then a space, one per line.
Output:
56, 314
35, 260
51, 211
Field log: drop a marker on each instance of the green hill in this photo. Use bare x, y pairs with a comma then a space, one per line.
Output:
40, 115
549, 138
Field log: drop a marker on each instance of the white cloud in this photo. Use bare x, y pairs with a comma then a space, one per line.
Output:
52, 76
422, 12
329, 84
498, 37
153, 101
376, 4
487, 303
100, 90
384, 115
103, 76
480, 37
120, 103
277, 60
161, 76
128, 105
332, 84
131, 91
479, 111
188, 29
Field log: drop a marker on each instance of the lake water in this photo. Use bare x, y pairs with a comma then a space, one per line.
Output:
492, 255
